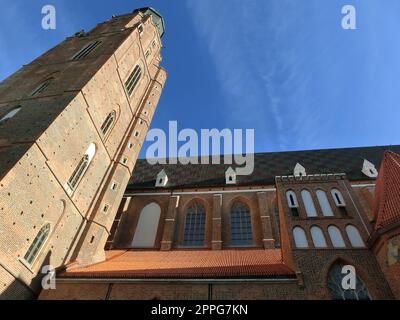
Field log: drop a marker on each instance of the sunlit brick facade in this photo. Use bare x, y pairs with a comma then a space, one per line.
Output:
72, 123
303, 229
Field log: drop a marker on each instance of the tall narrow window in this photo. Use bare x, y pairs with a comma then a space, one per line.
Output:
308, 203
338, 292
147, 226
318, 237
300, 238
10, 114
339, 201
194, 225
107, 124
41, 87
81, 168
133, 80
354, 237
86, 50
241, 230
336, 237
37, 244
292, 202
324, 203
338, 198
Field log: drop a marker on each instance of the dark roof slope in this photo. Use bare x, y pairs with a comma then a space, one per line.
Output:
267, 167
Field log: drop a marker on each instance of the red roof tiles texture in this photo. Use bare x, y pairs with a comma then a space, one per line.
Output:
186, 264
387, 191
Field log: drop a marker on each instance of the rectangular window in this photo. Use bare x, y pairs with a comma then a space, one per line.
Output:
133, 80
86, 50
148, 52
105, 208
114, 186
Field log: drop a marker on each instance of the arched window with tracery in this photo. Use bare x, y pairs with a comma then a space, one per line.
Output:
194, 232
338, 292
37, 244
81, 168
241, 229
108, 123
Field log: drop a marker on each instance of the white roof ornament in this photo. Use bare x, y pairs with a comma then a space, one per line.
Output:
369, 169
162, 179
299, 170
230, 176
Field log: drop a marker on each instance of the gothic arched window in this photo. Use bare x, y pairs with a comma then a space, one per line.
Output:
147, 226
107, 124
318, 237
194, 225
308, 203
132, 81
85, 50
335, 278
354, 236
41, 87
241, 230
81, 168
10, 114
292, 202
336, 237
300, 238
37, 244
324, 203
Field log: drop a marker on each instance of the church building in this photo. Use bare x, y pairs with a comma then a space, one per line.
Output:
73, 194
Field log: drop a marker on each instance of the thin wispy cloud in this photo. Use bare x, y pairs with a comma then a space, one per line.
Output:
258, 68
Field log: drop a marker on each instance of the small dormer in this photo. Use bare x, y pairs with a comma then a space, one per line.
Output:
299, 170
369, 169
162, 179
230, 176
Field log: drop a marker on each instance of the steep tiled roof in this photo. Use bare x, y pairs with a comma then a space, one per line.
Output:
387, 191
186, 264
267, 166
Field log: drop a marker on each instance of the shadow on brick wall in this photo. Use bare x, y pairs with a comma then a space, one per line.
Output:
20, 290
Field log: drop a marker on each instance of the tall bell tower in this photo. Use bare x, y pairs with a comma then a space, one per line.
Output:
72, 123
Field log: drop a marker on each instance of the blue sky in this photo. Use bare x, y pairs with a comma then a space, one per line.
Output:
285, 68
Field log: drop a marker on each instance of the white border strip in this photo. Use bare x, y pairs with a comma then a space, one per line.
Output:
196, 192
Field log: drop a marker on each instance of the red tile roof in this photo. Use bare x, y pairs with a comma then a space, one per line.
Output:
186, 264
387, 191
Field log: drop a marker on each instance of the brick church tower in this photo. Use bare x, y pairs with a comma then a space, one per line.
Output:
72, 123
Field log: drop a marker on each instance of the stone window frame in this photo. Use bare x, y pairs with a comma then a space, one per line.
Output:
108, 124
37, 246
133, 80
80, 170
